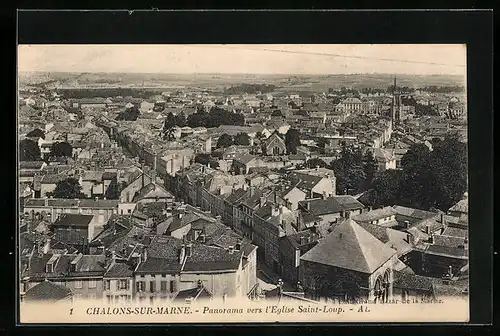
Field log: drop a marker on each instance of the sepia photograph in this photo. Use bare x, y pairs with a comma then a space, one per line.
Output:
209, 183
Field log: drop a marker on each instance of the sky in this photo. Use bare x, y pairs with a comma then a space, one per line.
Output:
421, 59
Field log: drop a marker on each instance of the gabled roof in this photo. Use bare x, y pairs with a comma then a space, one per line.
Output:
152, 191
48, 291
351, 247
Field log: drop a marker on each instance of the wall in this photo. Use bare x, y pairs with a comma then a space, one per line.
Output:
115, 295
325, 185
229, 283
45, 188
321, 281
147, 296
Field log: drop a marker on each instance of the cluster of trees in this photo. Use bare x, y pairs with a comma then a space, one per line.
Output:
129, 114
292, 140
354, 170
226, 140
206, 160
443, 89
250, 88
434, 179
68, 188
61, 149
214, 118
344, 91
108, 92
29, 150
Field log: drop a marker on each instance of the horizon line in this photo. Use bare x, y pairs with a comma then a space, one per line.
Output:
241, 73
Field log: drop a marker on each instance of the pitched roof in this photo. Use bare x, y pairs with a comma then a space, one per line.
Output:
74, 220
212, 258
351, 247
460, 206
119, 270
151, 191
162, 256
31, 164
412, 281
332, 204
375, 214
48, 291
193, 293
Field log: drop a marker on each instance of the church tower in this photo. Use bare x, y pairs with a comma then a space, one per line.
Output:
396, 104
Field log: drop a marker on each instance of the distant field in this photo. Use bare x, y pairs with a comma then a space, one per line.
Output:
312, 83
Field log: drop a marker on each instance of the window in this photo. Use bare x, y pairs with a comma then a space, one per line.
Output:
92, 296
123, 284
109, 298
92, 284
151, 300
140, 286
152, 286
78, 284
129, 211
107, 284
172, 286
163, 286
404, 294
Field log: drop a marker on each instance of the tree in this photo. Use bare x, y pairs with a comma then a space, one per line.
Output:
369, 167
242, 139
29, 150
349, 171
36, 133
447, 173
386, 187
61, 149
292, 140
224, 141
276, 113
69, 188
313, 163
202, 158
130, 114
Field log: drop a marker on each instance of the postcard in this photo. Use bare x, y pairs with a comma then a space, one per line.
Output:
242, 183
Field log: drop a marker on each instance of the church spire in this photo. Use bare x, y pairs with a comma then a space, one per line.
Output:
395, 85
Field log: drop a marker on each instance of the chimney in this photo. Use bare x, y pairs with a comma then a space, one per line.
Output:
231, 249
262, 201
202, 238
314, 228
238, 245
302, 240
406, 224
182, 254
180, 214
46, 202
144, 255
409, 238
431, 239
275, 211
199, 284
441, 219
142, 168
428, 229
308, 205
189, 250
252, 191
324, 195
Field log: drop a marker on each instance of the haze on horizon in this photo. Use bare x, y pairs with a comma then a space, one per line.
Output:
257, 59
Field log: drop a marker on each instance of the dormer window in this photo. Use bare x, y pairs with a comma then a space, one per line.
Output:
49, 268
